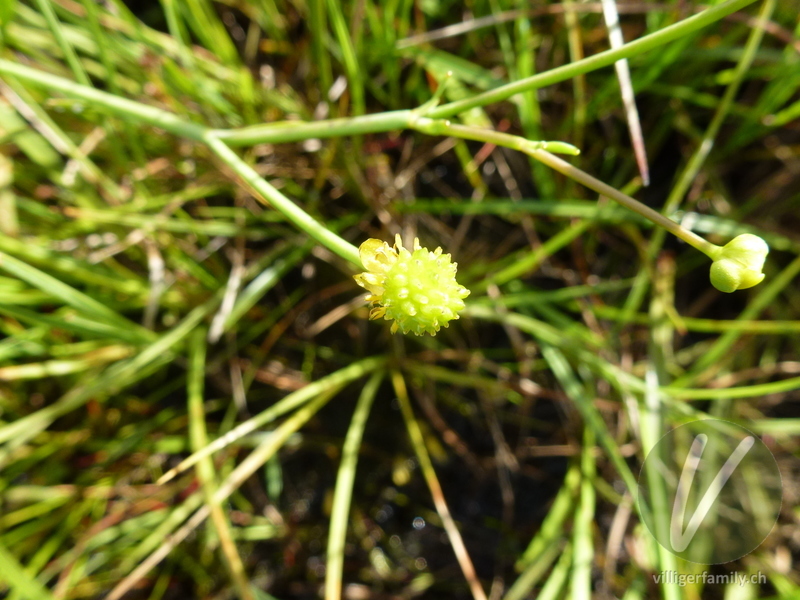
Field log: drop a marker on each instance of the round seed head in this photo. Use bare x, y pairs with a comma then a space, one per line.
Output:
416, 290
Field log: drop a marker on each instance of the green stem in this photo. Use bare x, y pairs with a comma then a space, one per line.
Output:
295, 131
531, 260
464, 132
219, 141
563, 167
343, 492
322, 60
389, 121
156, 117
658, 506
696, 161
349, 58
205, 468
288, 131
609, 57
289, 209
329, 383
121, 107
582, 529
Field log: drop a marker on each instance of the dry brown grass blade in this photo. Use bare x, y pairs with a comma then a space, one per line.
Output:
611, 16
453, 534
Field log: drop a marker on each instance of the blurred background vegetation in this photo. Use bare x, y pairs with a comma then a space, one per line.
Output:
151, 301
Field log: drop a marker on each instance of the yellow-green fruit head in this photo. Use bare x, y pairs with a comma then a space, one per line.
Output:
416, 290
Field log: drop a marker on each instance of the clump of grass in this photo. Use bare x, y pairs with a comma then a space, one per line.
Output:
193, 401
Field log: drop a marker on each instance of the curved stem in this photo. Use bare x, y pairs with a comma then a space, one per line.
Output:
121, 107
563, 167
498, 138
430, 122
609, 57
289, 131
128, 109
289, 209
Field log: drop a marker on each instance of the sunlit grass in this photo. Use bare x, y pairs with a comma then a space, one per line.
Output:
193, 402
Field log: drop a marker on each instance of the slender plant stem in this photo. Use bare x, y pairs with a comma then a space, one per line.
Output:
66, 48
582, 542
254, 461
174, 124
372, 123
592, 63
122, 373
389, 121
553, 587
322, 60
651, 415
288, 131
652, 420
712, 250
579, 95
532, 260
289, 209
294, 131
25, 104
122, 107
465, 132
699, 156
553, 527
19, 579
349, 59
219, 141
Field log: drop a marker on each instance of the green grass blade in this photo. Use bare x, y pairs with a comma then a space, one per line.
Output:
86, 305
582, 534
205, 468
344, 489
13, 574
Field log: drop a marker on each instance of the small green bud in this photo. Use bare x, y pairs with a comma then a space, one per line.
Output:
417, 290
739, 263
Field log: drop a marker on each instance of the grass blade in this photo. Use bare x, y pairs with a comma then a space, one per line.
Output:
344, 489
